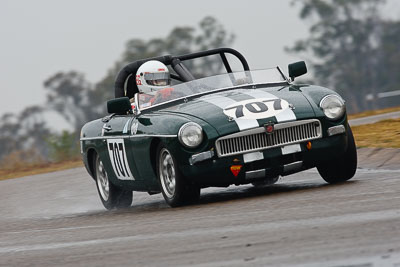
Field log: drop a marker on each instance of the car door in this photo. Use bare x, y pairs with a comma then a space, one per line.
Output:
117, 135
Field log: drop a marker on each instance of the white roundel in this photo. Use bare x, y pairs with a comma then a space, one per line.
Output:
256, 108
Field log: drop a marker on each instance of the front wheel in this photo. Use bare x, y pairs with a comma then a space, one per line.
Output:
342, 168
110, 195
174, 187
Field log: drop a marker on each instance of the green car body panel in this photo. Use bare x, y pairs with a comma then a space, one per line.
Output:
161, 124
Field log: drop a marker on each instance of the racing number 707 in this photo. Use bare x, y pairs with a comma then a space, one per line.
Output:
256, 107
119, 161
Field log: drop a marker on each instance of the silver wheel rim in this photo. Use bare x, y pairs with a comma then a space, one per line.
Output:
167, 173
102, 180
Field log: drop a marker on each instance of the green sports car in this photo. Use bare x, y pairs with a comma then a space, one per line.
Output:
246, 127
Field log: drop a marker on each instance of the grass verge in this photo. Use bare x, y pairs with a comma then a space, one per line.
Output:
373, 112
383, 134
31, 169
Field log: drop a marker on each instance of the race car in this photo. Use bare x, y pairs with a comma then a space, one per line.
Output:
234, 128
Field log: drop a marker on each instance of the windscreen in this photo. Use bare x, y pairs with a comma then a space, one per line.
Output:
213, 83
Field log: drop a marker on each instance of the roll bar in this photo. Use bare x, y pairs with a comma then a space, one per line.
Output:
126, 86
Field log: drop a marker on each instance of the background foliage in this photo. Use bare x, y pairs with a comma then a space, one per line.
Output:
78, 101
350, 48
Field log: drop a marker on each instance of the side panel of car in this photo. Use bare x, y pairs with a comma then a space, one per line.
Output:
122, 160
89, 148
111, 141
117, 133
147, 131
140, 148
153, 128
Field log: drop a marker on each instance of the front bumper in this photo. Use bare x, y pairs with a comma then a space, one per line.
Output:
214, 171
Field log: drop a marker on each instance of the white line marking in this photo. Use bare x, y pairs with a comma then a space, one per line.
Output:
248, 228
374, 118
389, 94
67, 228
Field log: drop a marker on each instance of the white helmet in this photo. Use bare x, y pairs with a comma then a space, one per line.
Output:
152, 76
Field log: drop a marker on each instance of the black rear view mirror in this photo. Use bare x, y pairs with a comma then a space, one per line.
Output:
120, 105
297, 69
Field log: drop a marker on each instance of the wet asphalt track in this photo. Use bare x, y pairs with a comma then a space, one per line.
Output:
56, 219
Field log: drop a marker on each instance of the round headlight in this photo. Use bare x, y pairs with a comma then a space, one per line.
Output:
190, 134
333, 107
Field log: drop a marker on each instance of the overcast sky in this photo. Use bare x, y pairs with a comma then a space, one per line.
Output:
42, 37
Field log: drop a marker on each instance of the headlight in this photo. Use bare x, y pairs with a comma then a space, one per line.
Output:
190, 134
333, 107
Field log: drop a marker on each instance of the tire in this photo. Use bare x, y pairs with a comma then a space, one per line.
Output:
266, 182
343, 168
175, 189
110, 195
192, 194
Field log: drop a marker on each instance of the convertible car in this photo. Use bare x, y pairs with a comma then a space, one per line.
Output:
234, 128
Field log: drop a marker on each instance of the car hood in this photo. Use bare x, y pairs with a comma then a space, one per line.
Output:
241, 109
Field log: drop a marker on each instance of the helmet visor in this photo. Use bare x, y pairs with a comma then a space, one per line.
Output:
157, 79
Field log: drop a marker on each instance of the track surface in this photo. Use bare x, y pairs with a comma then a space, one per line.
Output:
375, 118
56, 219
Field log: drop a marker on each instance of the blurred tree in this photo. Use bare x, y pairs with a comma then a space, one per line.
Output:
75, 99
8, 134
25, 133
389, 54
350, 47
34, 130
181, 40
71, 95
64, 146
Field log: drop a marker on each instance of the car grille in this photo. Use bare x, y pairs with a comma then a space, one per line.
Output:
257, 139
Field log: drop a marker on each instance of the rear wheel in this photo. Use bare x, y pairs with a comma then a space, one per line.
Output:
174, 187
110, 195
342, 168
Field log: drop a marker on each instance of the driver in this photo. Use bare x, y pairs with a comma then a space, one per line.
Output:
153, 81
